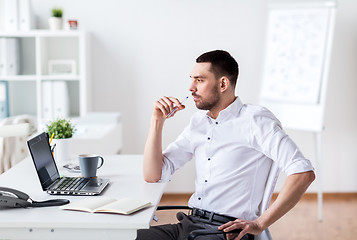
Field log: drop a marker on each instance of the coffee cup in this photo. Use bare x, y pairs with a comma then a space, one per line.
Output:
89, 164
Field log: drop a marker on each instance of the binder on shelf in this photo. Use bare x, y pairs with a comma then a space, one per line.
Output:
12, 56
2, 56
25, 15
9, 56
60, 99
47, 100
55, 100
11, 15
4, 100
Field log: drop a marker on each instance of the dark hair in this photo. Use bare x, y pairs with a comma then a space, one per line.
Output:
222, 64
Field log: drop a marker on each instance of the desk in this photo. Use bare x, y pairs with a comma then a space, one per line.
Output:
125, 173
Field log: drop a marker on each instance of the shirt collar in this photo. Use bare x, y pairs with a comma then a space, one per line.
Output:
231, 111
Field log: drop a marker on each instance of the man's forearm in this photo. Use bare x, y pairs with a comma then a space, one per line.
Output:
153, 152
294, 188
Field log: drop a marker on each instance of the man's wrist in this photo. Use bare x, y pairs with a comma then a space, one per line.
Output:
157, 123
261, 224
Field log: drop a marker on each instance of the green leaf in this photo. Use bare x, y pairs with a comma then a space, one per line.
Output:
57, 12
61, 128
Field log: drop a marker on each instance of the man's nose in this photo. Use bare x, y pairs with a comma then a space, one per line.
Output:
193, 87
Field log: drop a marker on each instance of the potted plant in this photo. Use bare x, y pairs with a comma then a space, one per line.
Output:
55, 20
61, 130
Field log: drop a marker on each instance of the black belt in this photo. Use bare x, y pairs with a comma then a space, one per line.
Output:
211, 216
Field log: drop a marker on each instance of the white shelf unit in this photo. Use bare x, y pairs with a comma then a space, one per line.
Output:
36, 48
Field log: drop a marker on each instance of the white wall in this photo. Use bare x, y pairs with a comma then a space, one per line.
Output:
142, 50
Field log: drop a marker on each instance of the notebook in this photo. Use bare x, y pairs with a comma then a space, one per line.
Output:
49, 177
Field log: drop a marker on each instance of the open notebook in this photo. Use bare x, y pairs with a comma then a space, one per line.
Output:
107, 205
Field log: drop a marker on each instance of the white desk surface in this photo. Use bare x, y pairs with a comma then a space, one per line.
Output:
125, 173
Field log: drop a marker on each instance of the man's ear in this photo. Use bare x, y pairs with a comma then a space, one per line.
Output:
224, 83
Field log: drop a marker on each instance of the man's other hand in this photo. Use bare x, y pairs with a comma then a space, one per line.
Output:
251, 227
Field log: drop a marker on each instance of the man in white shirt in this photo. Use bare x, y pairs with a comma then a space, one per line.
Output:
233, 145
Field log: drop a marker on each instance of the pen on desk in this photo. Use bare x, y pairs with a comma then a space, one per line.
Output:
53, 134
53, 147
175, 108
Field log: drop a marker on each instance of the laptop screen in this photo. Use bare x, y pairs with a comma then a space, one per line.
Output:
43, 159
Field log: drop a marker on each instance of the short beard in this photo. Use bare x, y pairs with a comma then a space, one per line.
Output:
209, 104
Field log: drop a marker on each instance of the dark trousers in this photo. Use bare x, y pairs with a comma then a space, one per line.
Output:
180, 230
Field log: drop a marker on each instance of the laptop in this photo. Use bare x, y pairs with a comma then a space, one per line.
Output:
49, 177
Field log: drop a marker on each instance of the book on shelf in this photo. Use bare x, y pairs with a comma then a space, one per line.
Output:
124, 206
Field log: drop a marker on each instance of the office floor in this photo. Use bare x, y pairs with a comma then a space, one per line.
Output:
339, 223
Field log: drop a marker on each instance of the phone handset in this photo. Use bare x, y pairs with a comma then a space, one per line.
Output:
12, 198
13, 193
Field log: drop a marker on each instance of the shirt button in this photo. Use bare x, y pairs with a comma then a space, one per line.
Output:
216, 122
209, 159
199, 198
209, 138
206, 181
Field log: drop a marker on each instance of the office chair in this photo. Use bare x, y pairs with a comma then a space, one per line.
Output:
15, 130
268, 192
13, 135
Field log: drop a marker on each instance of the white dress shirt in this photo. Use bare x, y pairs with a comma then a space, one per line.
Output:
233, 155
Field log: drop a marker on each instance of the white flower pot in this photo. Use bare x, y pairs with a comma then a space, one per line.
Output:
62, 151
55, 23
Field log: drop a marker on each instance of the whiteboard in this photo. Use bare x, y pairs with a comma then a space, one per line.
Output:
297, 55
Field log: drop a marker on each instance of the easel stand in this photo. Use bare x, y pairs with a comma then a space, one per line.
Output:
317, 140
292, 89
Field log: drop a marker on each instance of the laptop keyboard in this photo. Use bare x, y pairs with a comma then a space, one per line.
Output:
71, 183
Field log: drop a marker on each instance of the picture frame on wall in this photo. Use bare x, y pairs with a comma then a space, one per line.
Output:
62, 67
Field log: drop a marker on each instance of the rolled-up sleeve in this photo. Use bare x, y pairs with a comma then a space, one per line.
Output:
176, 155
270, 139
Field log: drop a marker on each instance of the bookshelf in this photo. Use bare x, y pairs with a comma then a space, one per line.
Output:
36, 49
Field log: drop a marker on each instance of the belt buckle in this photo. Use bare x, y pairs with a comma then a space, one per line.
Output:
198, 212
201, 212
